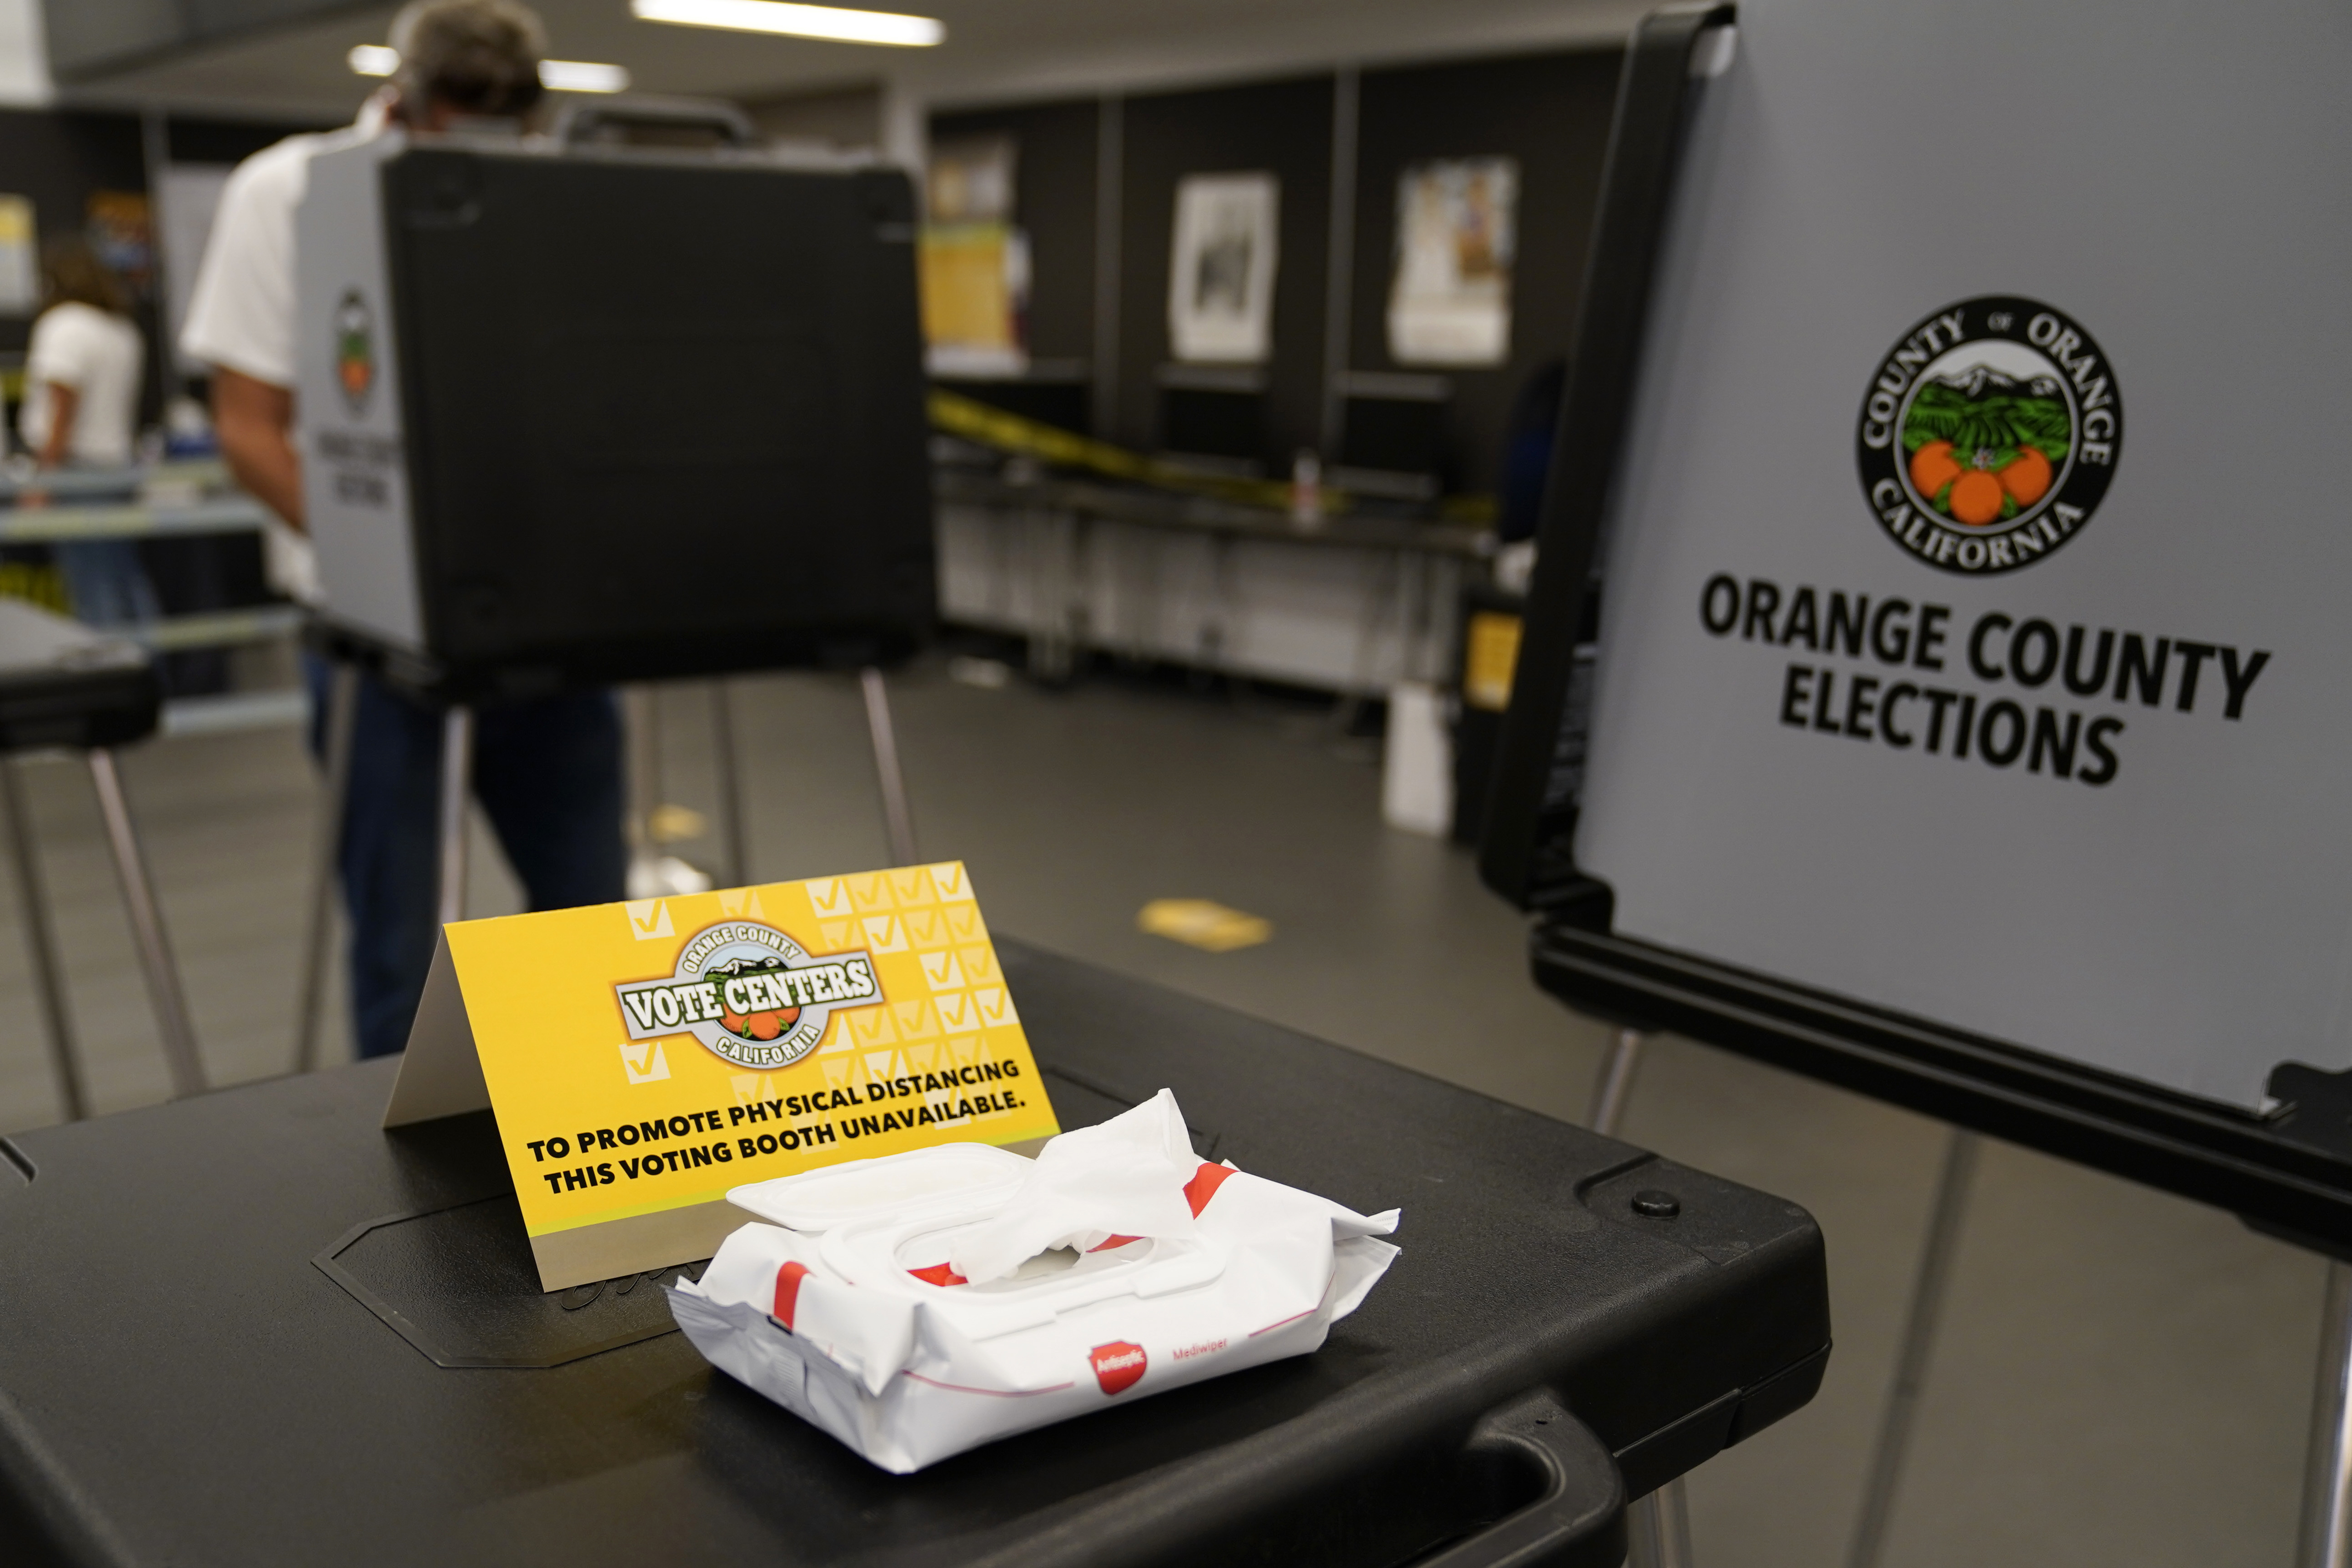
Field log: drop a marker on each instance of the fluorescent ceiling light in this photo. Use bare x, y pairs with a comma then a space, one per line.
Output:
582, 76
796, 21
557, 76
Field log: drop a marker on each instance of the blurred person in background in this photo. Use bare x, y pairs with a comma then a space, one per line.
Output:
548, 771
81, 409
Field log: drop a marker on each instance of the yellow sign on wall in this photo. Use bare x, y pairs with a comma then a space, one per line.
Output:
643, 1057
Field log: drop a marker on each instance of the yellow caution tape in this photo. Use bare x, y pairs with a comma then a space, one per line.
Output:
976, 421
993, 427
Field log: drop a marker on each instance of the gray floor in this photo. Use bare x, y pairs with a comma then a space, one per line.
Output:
2123, 1378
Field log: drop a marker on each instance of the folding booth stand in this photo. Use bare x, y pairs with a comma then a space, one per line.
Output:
63, 685
1955, 734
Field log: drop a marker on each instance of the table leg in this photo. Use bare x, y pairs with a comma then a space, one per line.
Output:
1657, 1529
342, 715
898, 820
1215, 643
1658, 1526
737, 871
1944, 1220
1615, 1085
147, 934
1078, 615
41, 943
456, 774
2326, 1535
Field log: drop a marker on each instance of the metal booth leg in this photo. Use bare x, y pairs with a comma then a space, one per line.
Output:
41, 942
1615, 1085
456, 772
738, 869
342, 721
1944, 1220
147, 929
1657, 1527
2326, 1539
897, 822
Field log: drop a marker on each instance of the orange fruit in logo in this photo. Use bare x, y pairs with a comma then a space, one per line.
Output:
1933, 467
765, 1025
2026, 478
1975, 498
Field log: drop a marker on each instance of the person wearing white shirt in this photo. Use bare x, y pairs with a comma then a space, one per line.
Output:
546, 772
81, 408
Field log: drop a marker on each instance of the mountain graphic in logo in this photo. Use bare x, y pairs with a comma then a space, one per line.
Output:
1983, 449
1989, 434
747, 966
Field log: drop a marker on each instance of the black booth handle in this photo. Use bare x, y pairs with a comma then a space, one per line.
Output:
1577, 1522
581, 121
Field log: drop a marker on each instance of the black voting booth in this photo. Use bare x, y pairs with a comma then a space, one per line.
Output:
1745, 424
579, 414
595, 414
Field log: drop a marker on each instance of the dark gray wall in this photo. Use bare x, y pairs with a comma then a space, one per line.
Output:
1550, 112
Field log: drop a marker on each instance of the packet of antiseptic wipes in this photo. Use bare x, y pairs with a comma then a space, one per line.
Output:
924, 1303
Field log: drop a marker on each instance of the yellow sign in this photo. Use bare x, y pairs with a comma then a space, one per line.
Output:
1492, 659
643, 1057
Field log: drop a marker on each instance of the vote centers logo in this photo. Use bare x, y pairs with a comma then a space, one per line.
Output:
752, 995
1988, 434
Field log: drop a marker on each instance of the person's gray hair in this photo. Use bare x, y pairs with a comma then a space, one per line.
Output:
479, 57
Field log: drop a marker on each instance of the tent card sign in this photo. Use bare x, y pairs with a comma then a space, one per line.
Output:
643, 1057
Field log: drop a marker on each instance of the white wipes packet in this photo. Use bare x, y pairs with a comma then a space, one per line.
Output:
925, 1303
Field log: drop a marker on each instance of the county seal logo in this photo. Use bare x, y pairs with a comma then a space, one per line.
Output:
354, 350
1988, 435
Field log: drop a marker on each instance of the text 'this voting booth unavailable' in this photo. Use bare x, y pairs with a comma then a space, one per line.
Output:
643, 1057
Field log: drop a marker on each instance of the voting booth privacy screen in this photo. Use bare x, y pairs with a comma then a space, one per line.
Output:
582, 417
1972, 648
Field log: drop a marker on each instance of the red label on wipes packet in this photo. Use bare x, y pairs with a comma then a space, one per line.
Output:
788, 1291
1117, 1365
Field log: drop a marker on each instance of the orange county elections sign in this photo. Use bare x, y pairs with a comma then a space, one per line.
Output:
643, 1057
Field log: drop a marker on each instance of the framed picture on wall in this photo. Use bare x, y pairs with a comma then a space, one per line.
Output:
1221, 269
20, 269
1456, 230
974, 260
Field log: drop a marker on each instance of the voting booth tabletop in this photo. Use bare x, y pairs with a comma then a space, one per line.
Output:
223, 1322
62, 684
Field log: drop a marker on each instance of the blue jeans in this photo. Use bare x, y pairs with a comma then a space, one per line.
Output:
106, 582
548, 774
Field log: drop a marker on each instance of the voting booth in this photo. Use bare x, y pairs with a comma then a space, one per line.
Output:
1964, 722
574, 415
577, 414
